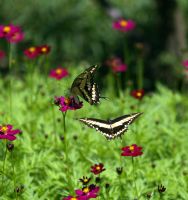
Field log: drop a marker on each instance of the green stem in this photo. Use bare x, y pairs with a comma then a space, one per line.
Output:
3, 167
10, 80
13, 172
54, 120
68, 168
134, 178
140, 71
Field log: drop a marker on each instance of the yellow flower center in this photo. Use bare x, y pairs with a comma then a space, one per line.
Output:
73, 198
85, 180
123, 23
32, 49
4, 129
6, 29
98, 168
44, 49
86, 190
58, 71
67, 101
139, 94
131, 148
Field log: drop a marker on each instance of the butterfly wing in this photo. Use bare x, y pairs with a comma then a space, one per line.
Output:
99, 125
84, 86
120, 124
111, 128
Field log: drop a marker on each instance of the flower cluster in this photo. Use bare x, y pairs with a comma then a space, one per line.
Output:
35, 51
132, 150
137, 94
116, 65
124, 25
2, 54
67, 103
58, 73
12, 33
6, 132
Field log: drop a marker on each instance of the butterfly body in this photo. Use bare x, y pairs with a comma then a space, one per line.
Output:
85, 87
111, 128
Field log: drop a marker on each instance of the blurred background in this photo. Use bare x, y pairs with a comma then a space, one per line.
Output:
81, 31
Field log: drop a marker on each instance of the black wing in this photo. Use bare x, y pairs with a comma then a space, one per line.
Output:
112, 128
84, 86
120, 124
99, 125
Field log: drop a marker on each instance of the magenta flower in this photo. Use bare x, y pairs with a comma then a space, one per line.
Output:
88, 192
2, 54
12, 33
132, 150
116, 65
69, 103
124, 25
58, 73
6, 132
32, 52
185, 64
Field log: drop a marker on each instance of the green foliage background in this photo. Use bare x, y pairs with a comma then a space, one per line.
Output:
80, 33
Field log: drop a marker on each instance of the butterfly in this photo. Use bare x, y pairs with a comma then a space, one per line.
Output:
111, 128
85, 87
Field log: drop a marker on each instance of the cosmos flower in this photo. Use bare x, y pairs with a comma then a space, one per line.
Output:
137, 94
67, 103
58, 73
44, 49
97, 168
2, 54
6, 132
124, 25
132, 150
88, 192
32, 52
116, 65
12, 33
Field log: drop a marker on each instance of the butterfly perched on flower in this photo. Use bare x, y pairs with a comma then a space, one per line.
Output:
111, 129
85, 87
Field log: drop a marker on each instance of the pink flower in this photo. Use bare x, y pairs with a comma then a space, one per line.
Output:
32, 52
185, 64
88, 192
117, 65
124, 25
132, 150
2, 54
58, 73
12, 33
6, 132
69, 103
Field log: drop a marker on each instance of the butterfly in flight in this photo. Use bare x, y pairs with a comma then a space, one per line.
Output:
111, 128
85, 87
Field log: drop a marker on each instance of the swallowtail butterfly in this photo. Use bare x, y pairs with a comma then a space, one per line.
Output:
111, 128
85, 87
